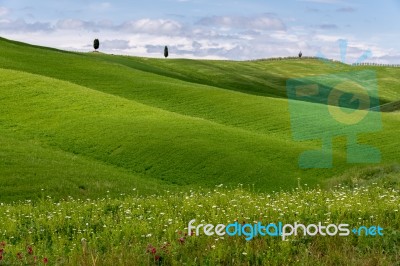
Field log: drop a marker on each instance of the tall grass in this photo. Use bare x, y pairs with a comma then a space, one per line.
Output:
153, 230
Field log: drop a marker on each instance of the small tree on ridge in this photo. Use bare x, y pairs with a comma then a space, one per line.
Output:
96, 44
166, 51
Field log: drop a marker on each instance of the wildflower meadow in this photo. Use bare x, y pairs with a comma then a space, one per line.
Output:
152, 230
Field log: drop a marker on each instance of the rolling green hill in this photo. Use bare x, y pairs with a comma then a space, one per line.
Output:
83, 124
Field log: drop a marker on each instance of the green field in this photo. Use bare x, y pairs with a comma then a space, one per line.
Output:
81, 124
115, 141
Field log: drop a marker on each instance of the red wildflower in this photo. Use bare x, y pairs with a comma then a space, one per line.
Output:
151, 249
182, 240
1, 251
1, 257
29, 250
45, 260
19, 255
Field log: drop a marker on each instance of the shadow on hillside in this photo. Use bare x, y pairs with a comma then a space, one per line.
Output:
215, 75
209, 74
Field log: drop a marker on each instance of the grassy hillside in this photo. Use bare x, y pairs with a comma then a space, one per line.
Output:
30, 170
158, 124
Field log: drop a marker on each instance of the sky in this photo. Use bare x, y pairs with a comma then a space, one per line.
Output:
210, 29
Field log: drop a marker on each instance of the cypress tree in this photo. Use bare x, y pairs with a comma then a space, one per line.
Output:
166, 51
96, 44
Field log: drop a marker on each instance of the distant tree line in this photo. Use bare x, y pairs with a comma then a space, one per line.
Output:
292, 58
375, 64
323, 59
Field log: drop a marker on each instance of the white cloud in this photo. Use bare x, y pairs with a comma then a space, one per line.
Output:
285, 36
116, 45
3, 11
21, 25
327, 38
386, 59
152, 26
71, 24
262, 22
